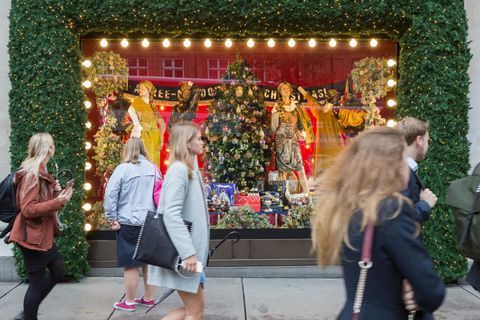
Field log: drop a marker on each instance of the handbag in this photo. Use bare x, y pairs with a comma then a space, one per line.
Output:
157, 186
154, 245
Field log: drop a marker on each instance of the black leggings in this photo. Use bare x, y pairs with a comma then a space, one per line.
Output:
39, 285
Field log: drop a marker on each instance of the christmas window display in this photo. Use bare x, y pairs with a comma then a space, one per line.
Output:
273, 115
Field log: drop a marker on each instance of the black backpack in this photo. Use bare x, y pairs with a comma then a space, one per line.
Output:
8, 205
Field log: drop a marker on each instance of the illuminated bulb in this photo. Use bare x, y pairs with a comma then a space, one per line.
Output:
87, 104
332, 43
88, 145
208, 43
162, 108
166, 43
271, 43
103, 43
145, 43
87, 83
391, 123
187, 43
228, 43
312, 43
88, 124
373, 43
88, 166
87, 207
87, 63
124, 43
88, 227
391, 83
391, 103
250, 43
391, 62
168, 150
291, 43
353, 43
167, 162
87, 186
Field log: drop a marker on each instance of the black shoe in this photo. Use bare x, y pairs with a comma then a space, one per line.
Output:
19, 316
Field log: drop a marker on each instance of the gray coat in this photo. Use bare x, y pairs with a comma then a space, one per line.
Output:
183, 199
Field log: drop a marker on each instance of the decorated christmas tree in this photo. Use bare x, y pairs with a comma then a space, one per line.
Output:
237, 150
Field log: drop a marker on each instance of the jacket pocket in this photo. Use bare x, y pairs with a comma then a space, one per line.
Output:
34, 231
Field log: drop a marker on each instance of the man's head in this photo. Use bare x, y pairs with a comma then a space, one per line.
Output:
416, 135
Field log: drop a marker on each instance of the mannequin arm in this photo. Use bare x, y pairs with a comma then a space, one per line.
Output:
137, 128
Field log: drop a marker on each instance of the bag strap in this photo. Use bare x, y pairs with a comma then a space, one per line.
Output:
365, 263
466, 230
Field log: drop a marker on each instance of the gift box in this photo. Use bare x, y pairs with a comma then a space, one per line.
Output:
225, 191
251, 201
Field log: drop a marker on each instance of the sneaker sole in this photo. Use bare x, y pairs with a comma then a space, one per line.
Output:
123, 309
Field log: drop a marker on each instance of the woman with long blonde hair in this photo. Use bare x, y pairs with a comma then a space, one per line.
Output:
182, 199
38, 198
363, 187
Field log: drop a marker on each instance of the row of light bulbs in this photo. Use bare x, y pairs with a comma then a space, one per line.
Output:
229, 43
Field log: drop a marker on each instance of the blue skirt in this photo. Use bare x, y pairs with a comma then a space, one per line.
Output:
126, 241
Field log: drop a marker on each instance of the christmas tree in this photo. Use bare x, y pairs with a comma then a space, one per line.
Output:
237, 150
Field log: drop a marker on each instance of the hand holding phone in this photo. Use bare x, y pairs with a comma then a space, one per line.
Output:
69, 184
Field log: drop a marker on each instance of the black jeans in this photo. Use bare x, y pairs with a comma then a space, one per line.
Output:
40, 284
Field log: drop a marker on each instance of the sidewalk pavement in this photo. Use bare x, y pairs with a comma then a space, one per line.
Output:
226, 299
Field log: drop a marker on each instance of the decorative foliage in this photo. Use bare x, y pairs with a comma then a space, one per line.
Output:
108, 148
299, 217
97, 218
108, 73
46, 94
370, 76
243, 218
237, 144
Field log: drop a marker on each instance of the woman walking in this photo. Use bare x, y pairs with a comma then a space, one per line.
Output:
183, 198
363, 188
39, 197
128, 198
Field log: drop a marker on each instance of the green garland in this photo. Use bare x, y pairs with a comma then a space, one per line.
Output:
46, 92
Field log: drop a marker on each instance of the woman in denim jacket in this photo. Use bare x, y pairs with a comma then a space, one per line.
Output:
128, 198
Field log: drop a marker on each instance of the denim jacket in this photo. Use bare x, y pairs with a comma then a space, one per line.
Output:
129, 193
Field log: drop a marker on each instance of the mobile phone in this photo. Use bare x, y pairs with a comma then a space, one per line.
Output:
69, 184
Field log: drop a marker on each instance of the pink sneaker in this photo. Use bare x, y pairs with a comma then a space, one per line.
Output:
123, 305
146, 303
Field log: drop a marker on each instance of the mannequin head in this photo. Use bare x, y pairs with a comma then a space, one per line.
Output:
285, 90
146, 89
185, 91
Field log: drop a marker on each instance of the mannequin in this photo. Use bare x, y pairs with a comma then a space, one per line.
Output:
287, 118
186, 109
147, 122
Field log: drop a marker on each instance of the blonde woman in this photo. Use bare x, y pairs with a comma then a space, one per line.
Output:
128, 198
363, 187
183, 198
39, 197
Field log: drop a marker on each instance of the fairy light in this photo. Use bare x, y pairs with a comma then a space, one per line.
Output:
228, 43
391, 103
373, 43
312, 43
145, 43
87, 84
353, 43
250, 43
166, 43
124, 43
291, 43
187, 43
391, 63
332, 43
271, 43
207, 43
87, 104
104, 43
87, 206
88, 166
87, 63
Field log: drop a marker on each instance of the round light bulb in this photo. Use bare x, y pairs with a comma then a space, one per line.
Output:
124, 43
88, 145
373, 43
207, 43
87, 63
291, 43
87, 207
87, 84
250, 43
145, 43
88, 124
104, 43
187, 43
166, 43
87, 104
391, 123
391, 62
391, 83
228, 43
332, 43
87, 186
271, 43
353, 43
391, 103
88, 166
312, 43
88, 227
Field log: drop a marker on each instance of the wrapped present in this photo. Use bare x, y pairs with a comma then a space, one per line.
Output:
224, 191
250, 200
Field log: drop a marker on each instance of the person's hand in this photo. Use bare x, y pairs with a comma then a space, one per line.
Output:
190, 264
115, 225
56, 186
408, 296
136, 131
428, 196
65, 195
